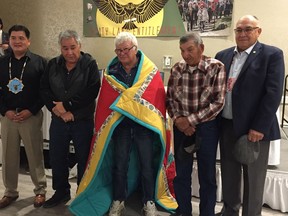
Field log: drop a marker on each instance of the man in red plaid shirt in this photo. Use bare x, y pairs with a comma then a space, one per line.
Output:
195, 96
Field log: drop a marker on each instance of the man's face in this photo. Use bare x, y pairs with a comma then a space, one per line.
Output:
246, 33
19, 42
191, 53
70, 50
126, 52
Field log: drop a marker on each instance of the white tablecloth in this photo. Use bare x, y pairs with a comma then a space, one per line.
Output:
274, 153
276, 190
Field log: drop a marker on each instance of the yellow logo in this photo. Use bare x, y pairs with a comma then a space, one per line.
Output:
141, 18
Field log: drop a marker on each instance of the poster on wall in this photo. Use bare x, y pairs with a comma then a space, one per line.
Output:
143, 18
156, 18
208, 17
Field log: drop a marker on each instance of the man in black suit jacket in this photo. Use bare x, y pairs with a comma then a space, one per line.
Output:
4, 40
255, 74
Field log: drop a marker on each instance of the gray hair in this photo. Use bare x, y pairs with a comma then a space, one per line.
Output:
251, 18
69, 34
191, 36
125, 36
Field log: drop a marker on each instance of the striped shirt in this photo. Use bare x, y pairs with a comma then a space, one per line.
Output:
196, 92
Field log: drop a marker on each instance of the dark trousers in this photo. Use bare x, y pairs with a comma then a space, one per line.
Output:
193, 18
231, 172
126, 137
61, 134
206, 160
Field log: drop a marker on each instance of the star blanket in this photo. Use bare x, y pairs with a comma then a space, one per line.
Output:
144, 103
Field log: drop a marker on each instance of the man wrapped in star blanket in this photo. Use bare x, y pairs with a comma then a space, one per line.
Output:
144, 103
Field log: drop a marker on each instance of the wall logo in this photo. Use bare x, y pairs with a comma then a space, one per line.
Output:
148, 18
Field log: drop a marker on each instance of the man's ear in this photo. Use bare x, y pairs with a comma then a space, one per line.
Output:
202, 47
259, 31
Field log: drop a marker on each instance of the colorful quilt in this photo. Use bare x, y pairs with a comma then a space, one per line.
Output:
144, 103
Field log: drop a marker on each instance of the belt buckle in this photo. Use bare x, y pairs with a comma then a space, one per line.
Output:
18, 110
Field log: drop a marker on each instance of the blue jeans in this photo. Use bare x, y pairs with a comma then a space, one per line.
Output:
61, 134
208, 134
124, 137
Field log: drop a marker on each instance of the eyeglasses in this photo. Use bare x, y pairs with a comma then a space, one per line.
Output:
124, 51
245, 30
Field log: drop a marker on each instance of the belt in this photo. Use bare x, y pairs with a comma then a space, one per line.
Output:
225, 119
18, 109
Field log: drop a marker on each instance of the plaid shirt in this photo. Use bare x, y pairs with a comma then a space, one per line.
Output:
198, 92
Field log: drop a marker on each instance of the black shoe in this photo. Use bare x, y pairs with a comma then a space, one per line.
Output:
178, 213
57, 199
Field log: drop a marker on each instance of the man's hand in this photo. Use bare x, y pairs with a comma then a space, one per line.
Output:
67, 117
58, 109
182, 123
255, 136
189, 131
4, 46
55, 111
18, 117
10, 114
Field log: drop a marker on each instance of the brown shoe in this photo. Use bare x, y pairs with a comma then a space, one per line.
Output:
39, 200
6, 201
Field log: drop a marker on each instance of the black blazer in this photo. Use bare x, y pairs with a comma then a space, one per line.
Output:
257, 92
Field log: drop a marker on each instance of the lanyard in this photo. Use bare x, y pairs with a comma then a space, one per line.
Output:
15, 85
22, 72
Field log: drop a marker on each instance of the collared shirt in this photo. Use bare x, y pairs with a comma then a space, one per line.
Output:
29, 97
119, 73
198, 92
238, 61
68, 74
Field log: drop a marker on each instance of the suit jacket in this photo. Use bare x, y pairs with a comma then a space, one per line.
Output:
257, 92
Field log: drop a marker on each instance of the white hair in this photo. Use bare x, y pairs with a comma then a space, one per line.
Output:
125, 36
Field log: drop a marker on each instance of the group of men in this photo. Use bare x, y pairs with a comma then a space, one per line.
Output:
68, 85
208, 99
235, 94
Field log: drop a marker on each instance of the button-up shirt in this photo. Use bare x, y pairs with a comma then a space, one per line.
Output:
239, 60
196, 92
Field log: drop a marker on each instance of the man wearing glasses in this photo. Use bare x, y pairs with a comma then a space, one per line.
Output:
129, 141
129, 131
255, 74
